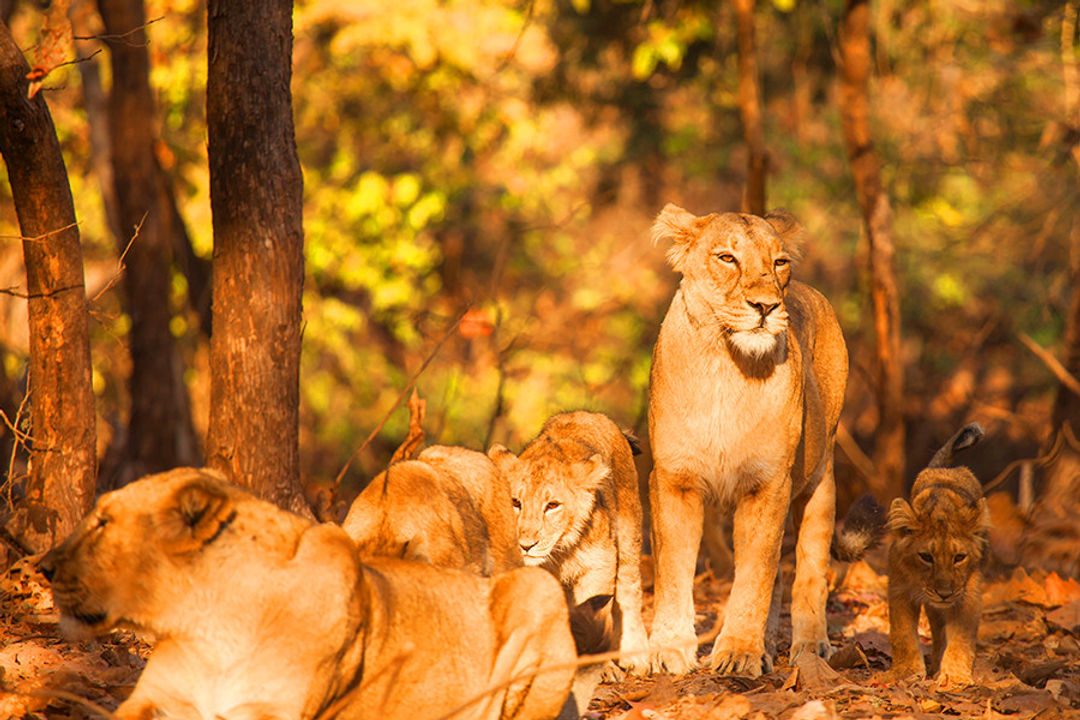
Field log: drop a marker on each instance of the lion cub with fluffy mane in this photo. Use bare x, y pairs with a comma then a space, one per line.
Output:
935, 563
447, 507
575, 492
259, 614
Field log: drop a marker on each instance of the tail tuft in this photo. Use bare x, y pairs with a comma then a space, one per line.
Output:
861, 529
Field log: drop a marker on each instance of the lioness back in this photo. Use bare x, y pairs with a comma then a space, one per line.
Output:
935, 563
575, 492
447, 507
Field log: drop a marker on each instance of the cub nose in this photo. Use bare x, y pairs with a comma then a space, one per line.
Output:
527, 545
763, 308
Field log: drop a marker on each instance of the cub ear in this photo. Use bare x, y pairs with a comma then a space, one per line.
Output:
902, 517
203, 509
680, 227
790, 230
500, 455
596, 472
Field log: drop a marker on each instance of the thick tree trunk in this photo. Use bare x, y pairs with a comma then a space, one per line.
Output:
63, 453
877, 221
255, 196
160, 433
757, 162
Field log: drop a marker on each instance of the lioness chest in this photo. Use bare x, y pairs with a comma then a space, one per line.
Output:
710, 421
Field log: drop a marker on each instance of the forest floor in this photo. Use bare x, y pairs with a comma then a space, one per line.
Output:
1028, 662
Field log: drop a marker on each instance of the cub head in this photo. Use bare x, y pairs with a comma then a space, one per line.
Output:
738, 266
120, 564
552, 499
941, 536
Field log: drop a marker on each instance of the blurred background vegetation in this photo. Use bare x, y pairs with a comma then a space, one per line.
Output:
507, 157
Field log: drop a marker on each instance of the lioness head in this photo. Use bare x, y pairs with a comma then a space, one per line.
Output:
552, 499
737, 267
119, 567
941, 534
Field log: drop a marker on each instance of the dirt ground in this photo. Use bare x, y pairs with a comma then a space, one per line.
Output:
1028, 663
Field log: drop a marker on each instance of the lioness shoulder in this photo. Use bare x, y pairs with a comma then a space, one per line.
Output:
575, 492
260, 613
447, 507
935, 564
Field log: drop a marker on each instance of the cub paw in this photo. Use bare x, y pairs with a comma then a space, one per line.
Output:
819, 648
612, 673
954, 679
636, 664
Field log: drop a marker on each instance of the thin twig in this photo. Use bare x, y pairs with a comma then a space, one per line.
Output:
10, 482
400, 397
862, 462
40, 238
120, 266
1065, 377
122, 36
71, 698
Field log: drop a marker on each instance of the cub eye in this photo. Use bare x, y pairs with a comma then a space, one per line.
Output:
780, 262
725, 257
926, 558
102, 522
959, 558
553, 505
516, 503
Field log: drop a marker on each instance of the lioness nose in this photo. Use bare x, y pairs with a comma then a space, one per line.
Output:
763, 308
527, 545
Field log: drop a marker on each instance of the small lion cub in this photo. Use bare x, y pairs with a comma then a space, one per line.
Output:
575, 492
935, 563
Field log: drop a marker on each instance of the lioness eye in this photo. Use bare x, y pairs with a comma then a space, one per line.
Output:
552, 505
781, 262
959, 558
927, 558
726, 257
102, 522
516, 503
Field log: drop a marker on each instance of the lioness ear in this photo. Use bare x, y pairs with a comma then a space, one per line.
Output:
203, 509
902, 517
500, 455
596, 472
680, 227
791, 232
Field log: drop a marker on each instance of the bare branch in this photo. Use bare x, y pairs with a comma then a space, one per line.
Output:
1065, 377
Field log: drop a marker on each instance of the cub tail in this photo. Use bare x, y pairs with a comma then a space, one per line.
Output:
967, 436
861, 529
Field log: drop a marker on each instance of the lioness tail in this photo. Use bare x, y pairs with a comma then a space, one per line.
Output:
861, 529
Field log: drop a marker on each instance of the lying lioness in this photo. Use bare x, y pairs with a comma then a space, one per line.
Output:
259, 613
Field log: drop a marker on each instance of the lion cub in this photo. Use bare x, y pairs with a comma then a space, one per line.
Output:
575, 492
935, 563
446, 507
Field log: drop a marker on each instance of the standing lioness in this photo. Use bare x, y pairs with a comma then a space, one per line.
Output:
259, 613
747, 382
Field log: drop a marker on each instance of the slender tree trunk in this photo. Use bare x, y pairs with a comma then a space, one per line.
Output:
877, 222
757, 163
160, 433
255, 196
63, 453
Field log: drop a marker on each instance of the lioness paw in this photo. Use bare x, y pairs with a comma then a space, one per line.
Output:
822, 649
746, 664
674, 661
612, 673
636, 664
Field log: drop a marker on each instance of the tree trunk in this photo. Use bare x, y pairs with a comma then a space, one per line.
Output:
757, 161
255, 196
63, 453
160, 433
877, 222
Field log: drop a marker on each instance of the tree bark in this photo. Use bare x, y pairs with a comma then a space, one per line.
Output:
160, 432
757, 162
889, 441
63, 453
255, 197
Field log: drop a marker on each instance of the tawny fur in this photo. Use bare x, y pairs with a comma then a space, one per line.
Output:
447, 507
259, 613
747, 383
575, 491
935, 564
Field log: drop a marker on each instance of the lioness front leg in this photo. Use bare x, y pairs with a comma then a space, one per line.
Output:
758, 530
677, 513
810, 591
